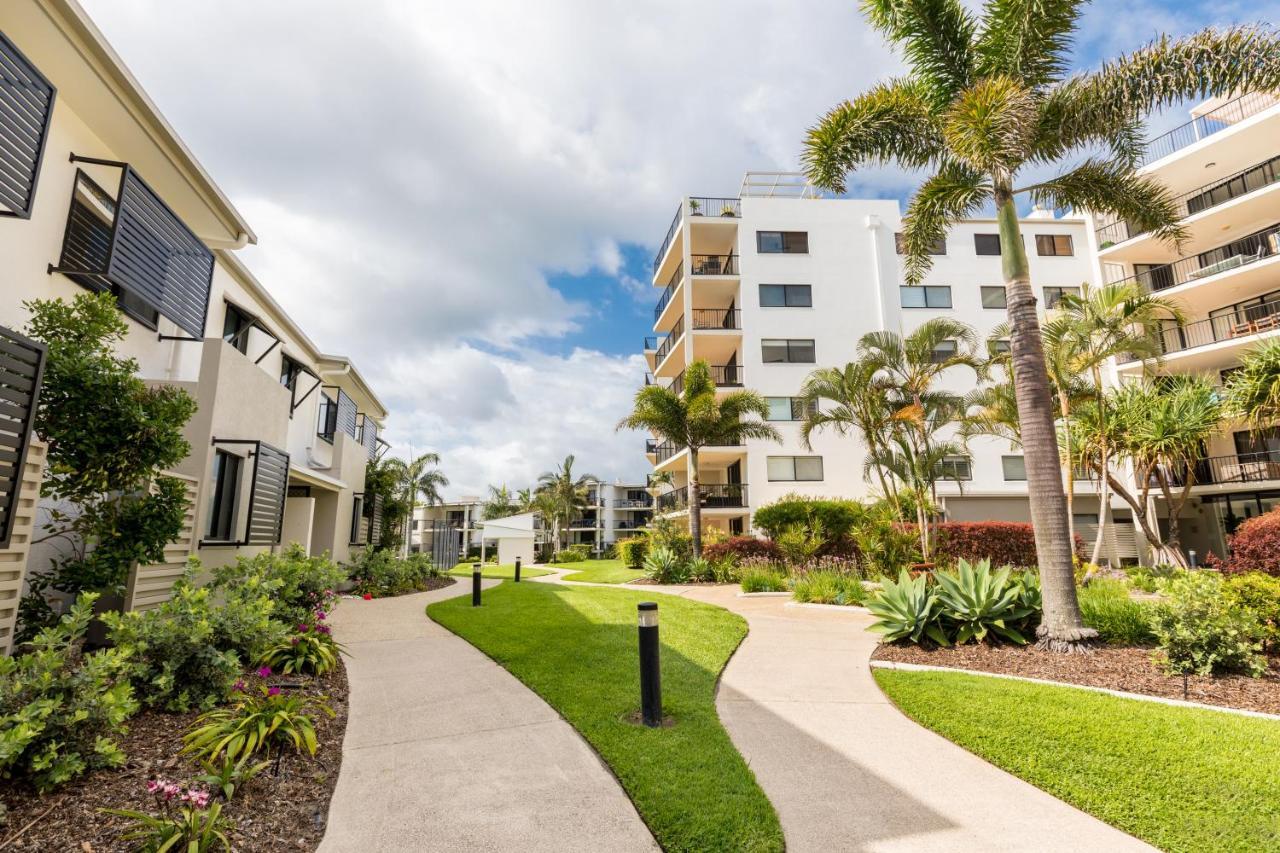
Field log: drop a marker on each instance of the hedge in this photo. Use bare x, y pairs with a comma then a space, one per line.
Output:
1005, 543
838, 516
1255, 547
632, 551
742, 547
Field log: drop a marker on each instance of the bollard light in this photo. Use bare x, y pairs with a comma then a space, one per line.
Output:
650, 672
475, 584
517, 570
1192, 556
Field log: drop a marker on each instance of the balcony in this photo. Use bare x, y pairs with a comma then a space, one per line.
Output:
714, 264
1258, 467
666, 241
712, 496
716, 318
728, 208
650, 446
1232, 325
668, 343
650, 343
584, 524
665, 451
1239, 253
1207, 124
673, 500
723, 375
1201, 199
665, 299
132, 245
630, 503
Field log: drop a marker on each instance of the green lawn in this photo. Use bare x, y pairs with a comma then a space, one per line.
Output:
577, 648
493, 570
600, 571
1179, 778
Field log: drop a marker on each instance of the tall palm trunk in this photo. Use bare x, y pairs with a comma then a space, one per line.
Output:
1104, 487
1068, 467
1062, 627
695, 504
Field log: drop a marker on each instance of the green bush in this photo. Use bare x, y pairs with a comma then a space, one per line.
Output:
60, 709
801, 543
381, 573
632, 552
1199, 632
582, 548
1152, 578
887, 546
568, 556
906, 610
974, 602
763, 580
1258, 594
1118, 619
187, 653
664, 565
308, 652
268, 722
303, 584
828, 588
186, 827
837, 517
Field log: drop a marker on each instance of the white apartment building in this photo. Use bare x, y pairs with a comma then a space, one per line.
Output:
462, 515
98, 193
778, 281
1223, 167
614, 510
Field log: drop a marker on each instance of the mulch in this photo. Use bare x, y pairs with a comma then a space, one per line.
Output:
1128, 669
271, 813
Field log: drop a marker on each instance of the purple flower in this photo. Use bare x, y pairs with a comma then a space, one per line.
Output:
324, 629
320, 614
171, 790
153, 785
302, 628
239, 686
294, 640
264, 672
273, 691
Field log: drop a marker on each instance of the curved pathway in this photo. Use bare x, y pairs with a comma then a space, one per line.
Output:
445, 750
845, 769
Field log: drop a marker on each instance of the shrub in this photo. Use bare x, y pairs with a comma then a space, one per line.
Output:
60, 710
184, 822
1255, 546
583, 549
906, 610
828, 588
632, 551
758, 579
800, 543
1118, 619
1198, 632
266, 722
302, 583
837, 517
663, 565
568, 556
1004, 543
1258, 594
886, 545
310, 651
974, 602
381, 573
1152, 578
187, 652
742, 547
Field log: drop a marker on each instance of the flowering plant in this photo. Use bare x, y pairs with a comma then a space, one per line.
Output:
266, 721
186, 821
311, 649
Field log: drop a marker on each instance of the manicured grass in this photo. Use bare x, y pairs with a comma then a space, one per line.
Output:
600, 571
494, 571
1179, 778
576, 647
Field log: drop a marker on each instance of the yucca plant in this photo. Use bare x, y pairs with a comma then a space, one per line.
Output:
907, 610
975, 601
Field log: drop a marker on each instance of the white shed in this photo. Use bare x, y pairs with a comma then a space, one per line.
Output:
514, 536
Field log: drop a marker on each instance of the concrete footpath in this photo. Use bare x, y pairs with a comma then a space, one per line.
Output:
446, 751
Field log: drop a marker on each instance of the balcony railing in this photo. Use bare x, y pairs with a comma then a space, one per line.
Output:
1239, 253
1201, 198
650, 343
726, 207
633, 503
717, 318
723, 495
714, 264
665, 451
724, 375
1240, 323
666, 241
668, 343
650, 445
1235, 468
583, 524
1219, 119
670, 290
673, 500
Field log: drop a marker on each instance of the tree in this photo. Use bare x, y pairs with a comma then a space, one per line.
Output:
110, 436
849, 400
382, 479
987, 97
1253, 391
500, 503
699, 417
524, 500
568, 495
416, 479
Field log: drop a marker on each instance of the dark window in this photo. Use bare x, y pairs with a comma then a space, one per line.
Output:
736, 526
289, 371
1015, 468
938, 248
1053, 295
235, 327
226, 486
783, 469
955, 468
26, 102
944, 350
925, 296
800, 351
986, 244
1000, 346
357, 520
782, 242
327, 422
786, 296
1054, 245
994, 297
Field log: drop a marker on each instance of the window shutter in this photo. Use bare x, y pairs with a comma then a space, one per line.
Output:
26, 106
21, 369
266, 505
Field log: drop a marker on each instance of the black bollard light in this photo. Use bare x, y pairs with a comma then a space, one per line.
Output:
517, 570
475, 584
650, 674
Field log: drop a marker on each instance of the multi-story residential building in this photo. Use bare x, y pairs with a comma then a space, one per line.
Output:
98, 194
613, 511
773, 283
462, 516
1223, 167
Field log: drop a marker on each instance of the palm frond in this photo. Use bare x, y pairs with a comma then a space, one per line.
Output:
955, 192
1111, 187
991, 125
1026, 39
936, 38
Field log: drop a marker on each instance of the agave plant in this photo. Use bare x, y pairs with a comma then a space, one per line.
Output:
907, 610
976, 601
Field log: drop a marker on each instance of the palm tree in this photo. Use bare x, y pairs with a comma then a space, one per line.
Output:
499, 503
849, 400
988, 95
524, 500
418, 479
696, 418
1253, 391
569, 494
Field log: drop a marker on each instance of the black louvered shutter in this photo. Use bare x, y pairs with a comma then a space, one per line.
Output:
21, 368
26, 106
270, 487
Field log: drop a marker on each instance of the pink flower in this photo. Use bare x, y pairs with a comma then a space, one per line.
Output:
324, 629
293, 641
273, 691
171, 790
320, 614
264, 672
153, 785
196, 797
302, 628
239, 686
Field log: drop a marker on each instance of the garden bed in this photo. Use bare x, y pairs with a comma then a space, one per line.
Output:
1127, 669
288, 812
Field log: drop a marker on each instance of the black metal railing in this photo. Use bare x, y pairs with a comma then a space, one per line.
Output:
650, 445
723, 494
670, 290
1233, 255
650, 342
666, 241
726, 207
666, 450
583, 522
648, 379
717, 318
668, 343
724, 375
1208, 124
714, 264
633, 503
1240, 323
673, 500
1235, 468
1201, 198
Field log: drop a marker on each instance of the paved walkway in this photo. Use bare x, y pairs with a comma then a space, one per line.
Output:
445, 750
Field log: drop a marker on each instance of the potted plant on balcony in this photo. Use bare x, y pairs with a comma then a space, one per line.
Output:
728, 210
695, 207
